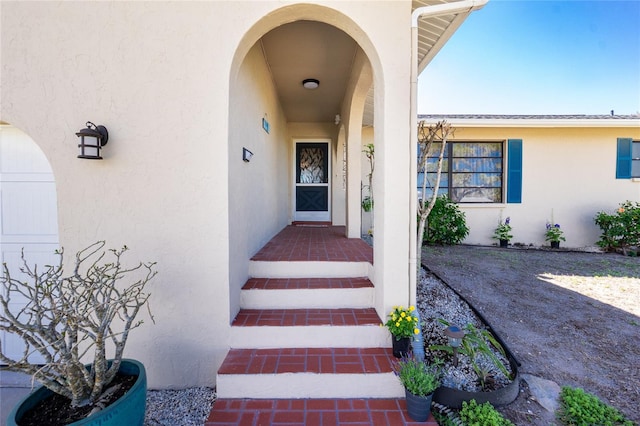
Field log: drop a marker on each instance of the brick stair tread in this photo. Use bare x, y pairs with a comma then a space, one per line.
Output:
305, 283
308, 360
306, 317
387, 411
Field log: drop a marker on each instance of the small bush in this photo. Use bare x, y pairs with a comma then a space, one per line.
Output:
474, 414
447, 224
621, 230
580, 408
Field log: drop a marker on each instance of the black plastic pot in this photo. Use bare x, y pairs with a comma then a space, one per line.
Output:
400, 346
418, 407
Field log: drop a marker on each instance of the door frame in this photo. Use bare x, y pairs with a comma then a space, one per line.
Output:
311, 216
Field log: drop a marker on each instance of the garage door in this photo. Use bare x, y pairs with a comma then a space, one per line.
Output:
28, 211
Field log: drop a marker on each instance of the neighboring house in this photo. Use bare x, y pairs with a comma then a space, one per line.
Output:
185, 89
539, 168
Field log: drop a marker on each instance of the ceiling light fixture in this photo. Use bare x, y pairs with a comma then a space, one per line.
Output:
310, 83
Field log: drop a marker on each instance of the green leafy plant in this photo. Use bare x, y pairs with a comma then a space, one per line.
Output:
402, 322
474, 414
446, 224
580, 408
620, 230
503, 231
477, 343
554, 233
417, 377
367, 203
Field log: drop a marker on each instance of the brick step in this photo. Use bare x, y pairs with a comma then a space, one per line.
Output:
290, 293
340, 412
309, 268
308, 373
302, 328
305, 317
306, 283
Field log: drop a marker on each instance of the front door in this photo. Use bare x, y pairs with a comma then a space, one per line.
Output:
312, 184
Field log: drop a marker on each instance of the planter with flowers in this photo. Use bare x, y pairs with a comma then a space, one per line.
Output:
554, 235
403, 325
420, 382
503, 232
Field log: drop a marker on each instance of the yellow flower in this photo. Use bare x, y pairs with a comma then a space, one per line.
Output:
412, 308
409, 319
416, 331
397, 324
415, 319
403, 315
393, 317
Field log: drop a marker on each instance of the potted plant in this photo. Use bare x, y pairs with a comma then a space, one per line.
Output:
73, 323
367, 203
503, 232
554, 235
402, 325
420, 381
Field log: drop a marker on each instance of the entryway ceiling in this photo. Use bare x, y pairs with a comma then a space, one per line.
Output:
310, 49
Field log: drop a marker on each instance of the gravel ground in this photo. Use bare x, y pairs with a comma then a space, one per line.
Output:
186, 407
436, 302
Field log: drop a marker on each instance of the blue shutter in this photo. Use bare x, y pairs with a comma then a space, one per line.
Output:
514, 171
623, 159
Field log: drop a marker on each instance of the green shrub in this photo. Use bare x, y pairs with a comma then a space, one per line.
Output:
621, 230
447, 224
474, 414
579, 408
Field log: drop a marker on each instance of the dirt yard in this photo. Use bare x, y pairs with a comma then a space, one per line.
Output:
569, 317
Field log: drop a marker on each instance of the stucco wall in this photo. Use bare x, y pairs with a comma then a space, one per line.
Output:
567, 171
158, 76
259, 189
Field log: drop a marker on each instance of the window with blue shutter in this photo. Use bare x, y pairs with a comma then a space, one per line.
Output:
624, 158
514, 171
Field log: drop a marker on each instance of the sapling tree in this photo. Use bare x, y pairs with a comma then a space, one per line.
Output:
428, 135
74, 321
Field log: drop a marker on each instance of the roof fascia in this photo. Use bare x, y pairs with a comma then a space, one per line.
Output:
442, 40
541, 123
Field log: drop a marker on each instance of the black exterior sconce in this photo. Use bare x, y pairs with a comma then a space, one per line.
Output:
246, 155
92, 139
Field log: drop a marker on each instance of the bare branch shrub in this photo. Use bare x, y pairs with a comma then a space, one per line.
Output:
427, 136
69, 320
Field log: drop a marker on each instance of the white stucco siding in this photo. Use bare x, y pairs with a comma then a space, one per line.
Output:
156, 75
570, 171
159, 76
259, 189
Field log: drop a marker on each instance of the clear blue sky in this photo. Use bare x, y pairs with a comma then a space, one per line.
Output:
539, 57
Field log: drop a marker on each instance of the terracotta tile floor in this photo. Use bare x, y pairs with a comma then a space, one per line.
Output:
298, 243
302, 317
312, 412
309, 360
305, 283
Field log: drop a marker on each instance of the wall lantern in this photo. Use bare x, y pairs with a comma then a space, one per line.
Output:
310, 83
455, 336
246, 155
92, 139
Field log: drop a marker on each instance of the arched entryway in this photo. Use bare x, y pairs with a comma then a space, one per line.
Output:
272, 115
28, 211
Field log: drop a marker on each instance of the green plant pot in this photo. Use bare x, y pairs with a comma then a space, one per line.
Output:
418, 407
128, 410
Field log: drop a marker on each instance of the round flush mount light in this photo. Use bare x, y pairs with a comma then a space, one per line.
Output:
310, 83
